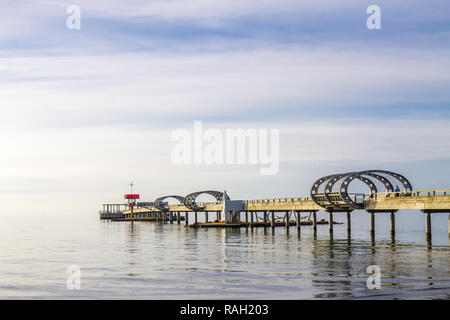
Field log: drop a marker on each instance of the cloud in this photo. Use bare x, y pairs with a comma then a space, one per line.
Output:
146, 89
85, 112
182, 24
90, 165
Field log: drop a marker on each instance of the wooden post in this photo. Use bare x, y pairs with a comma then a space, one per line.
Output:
187, 217
428, 224
392, 222
273, 220
314, 221
246, 217
297, 219
251, 218
206, 217
265, 218
195, 217
449, 225
287, 219
372, 223
349, 221
178, 217
330, 224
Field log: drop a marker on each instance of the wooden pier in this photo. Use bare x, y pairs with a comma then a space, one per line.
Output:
286, 212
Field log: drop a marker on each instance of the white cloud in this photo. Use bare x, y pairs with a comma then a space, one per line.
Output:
71, 128
74, 90
76, 169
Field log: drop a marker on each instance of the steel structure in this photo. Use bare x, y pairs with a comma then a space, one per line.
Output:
189, 200
322, 192
158, 204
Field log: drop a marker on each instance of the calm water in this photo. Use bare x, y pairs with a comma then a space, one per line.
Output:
147, 260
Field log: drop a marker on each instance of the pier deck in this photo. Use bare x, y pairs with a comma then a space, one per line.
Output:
428, 201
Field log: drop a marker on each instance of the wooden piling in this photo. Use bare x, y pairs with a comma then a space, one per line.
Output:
178, 217
330, 222
287, 219
206, 216
297, 219
251, 218
349, 222
314, 221
372, 222
195, 217
187, 218
392, 222
272, 224
428, 224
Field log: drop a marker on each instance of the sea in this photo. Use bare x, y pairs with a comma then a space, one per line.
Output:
82, 257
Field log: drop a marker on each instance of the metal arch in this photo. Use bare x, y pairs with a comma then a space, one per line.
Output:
326, 200
159, 205
343, 189
332, 182
405, 182
329, 181
383, 180
315, 187
328, 189
189, 200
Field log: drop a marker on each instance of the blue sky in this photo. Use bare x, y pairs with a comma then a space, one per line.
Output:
344, 97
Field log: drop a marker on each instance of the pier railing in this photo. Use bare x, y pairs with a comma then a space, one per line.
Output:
294, 199
420, 193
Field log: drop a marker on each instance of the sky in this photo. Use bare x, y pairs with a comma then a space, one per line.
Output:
84, 112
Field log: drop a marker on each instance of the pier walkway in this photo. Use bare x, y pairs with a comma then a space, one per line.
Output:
228, 213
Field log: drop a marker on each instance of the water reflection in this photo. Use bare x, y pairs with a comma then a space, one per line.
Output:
169, 261
334, 265
393, 239
429, 242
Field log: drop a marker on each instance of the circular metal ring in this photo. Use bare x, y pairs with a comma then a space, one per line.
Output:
189, 200
158, 204
340, 200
